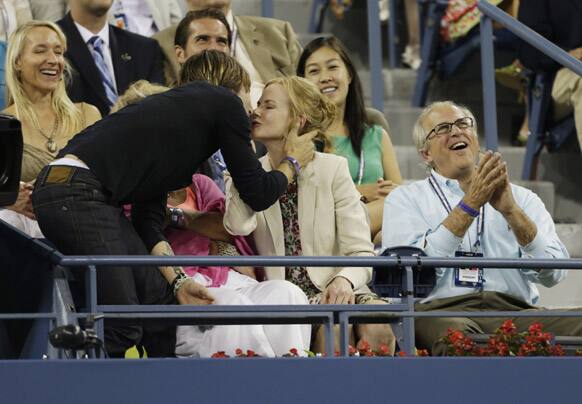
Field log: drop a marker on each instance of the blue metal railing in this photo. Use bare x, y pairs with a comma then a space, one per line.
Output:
489, 13
315, 314
375, 52
267, 9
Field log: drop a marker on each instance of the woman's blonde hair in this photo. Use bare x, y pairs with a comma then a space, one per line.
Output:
137, 92
69, 117
306, 100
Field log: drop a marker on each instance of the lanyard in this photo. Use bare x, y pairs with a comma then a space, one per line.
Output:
445, 202
361, 169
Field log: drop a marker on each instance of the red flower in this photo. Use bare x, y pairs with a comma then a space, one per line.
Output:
402, 354
508, 327
363, 346
239, 352
454, 335
383, 350
422, 352
251, 353
558, 350
535, 329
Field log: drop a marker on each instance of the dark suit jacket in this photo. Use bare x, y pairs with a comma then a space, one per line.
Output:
134, 57
560, 21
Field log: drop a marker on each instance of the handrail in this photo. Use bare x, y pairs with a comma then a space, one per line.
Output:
489, 13
375, 54
531, 37
343, 313
321, 261
326, 315
267, 9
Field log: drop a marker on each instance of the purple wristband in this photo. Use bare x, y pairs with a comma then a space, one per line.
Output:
468, 210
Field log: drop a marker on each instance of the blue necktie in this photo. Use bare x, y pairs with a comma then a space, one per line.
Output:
218, 165
96, 48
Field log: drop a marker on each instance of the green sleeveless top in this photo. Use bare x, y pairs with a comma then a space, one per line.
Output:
372, 153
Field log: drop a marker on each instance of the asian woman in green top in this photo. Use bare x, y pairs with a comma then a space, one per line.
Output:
371, 157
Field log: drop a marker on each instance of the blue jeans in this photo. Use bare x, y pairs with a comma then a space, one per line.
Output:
75, 212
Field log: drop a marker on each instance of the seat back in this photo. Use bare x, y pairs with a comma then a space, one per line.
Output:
544, 131
389, 282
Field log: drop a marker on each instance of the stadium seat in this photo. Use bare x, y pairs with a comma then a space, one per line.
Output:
544, 132
392, 282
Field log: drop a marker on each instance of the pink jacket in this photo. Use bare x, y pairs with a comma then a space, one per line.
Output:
209, 198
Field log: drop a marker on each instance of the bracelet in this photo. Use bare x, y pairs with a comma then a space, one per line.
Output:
176, 217
363, 199
467, 209
178, 281
294, 163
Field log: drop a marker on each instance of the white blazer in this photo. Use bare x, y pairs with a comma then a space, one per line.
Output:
332, 221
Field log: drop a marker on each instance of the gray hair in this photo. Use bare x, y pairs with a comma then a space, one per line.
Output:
418, 133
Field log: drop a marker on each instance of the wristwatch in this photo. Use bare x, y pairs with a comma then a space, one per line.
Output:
176, 217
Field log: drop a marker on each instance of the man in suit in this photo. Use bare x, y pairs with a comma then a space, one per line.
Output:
265, 47
105, 59
558, 21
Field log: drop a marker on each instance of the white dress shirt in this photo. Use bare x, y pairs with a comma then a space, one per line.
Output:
104, 35
239, 52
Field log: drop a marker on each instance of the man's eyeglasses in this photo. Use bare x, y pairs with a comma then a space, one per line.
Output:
446, 128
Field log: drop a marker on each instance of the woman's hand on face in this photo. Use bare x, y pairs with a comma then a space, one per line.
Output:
193, 293
300, 147
339, 291
23, 204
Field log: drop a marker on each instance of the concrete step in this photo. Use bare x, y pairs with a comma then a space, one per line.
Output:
401, 120
398, 84
571, 236
563, 168
567, 293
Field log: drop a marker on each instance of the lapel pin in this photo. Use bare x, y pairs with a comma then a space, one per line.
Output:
126, 57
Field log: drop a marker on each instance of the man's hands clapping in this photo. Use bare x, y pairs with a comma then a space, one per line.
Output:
490, 176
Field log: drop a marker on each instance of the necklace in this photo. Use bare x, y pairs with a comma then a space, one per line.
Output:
51, 145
